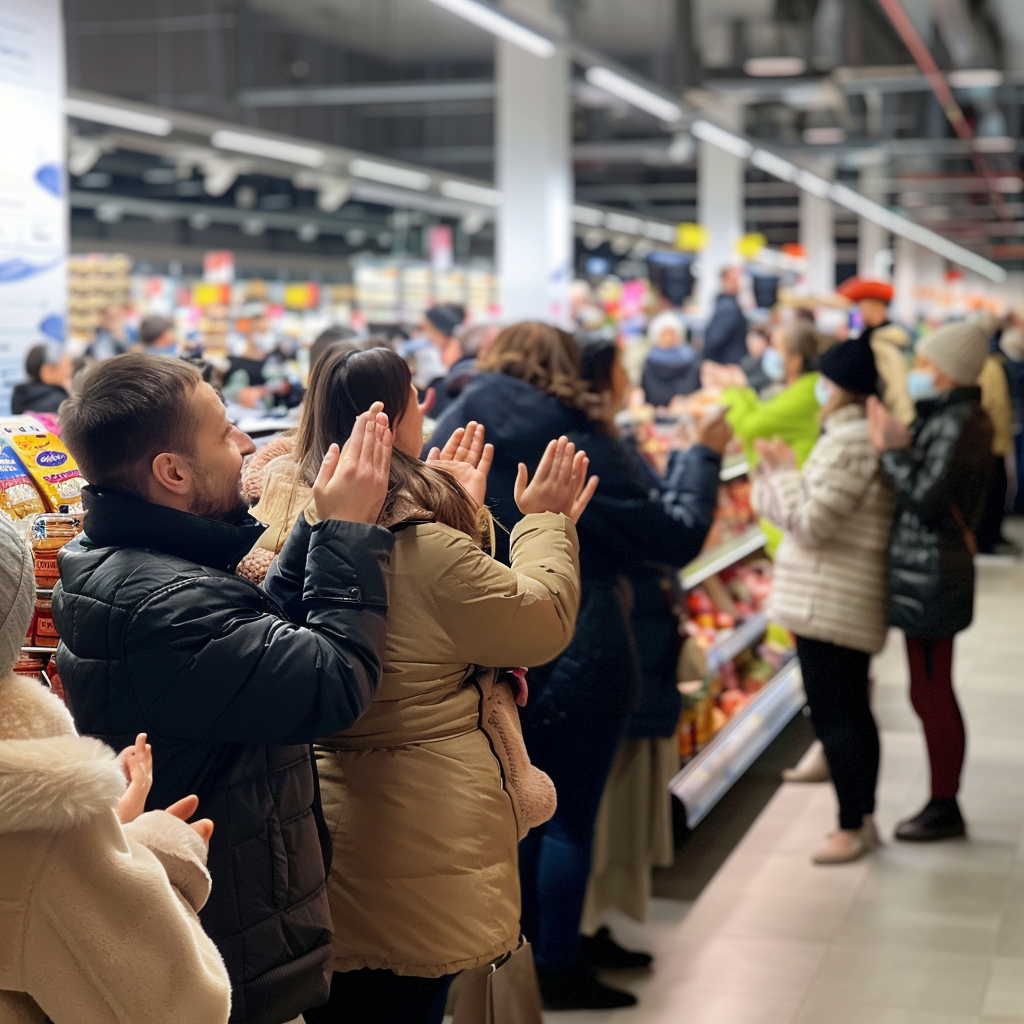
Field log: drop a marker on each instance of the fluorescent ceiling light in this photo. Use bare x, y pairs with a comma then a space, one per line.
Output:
774, 67
471, 193
721, 139
118, 117
272, 149
623, 222
389, 174
587, 215
812, 183
825, 136
975, 78
774, 165
660, 232
994, 144
634, 93
500, 25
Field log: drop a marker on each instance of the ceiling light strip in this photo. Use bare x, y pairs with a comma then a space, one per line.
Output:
117, 117
634, 93
390, 174
501, 25
271, 148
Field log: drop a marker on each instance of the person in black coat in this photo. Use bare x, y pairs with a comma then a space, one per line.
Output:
939, 469
725, 337
672, 366
530, 391
50, 370
158, 635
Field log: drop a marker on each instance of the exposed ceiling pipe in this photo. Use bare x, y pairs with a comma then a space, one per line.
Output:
940, 87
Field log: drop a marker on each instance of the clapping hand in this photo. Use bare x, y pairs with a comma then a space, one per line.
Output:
560, 483
467, 458
775, 454
184, 809
884, 431
353, 482
137, 764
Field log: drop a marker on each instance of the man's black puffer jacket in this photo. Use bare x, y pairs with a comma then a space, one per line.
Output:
159, 636
942, 475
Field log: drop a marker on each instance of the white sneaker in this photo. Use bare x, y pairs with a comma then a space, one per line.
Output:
843, 847
813, 767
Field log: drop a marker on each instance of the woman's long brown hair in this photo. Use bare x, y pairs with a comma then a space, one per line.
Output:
345, 384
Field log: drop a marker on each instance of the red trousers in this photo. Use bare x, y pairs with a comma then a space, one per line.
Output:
931, 693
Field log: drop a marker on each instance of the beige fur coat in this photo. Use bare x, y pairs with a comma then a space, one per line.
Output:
97, 922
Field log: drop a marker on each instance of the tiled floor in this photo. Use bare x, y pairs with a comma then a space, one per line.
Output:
929, 935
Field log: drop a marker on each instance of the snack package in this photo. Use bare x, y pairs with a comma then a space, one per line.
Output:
51, 467
19, 498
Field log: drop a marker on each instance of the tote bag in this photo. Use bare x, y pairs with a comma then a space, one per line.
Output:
503, 992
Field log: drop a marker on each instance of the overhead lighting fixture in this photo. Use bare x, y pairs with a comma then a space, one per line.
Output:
253, 226
83, 154
490, 20
587, 215
774, 67
623, 222
117, 117
812, 183
470, 193
272, 149
824, 136
774, 165
660, 232
308, 232
199, 221
634, 93
389, 174
333, 194
472, 224
218, 177
96, 179
160, 175
721, 139
994, 144
975, 78
109, 213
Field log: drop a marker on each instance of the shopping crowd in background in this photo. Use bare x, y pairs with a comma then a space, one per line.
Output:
318, 646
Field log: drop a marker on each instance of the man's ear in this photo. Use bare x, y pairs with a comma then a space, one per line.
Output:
173, 473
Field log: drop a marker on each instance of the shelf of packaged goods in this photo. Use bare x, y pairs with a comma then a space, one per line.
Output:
735, 641
728, 553
711, 774
734, 468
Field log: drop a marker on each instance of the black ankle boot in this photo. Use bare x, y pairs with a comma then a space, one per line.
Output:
577, 988
941, 819
602, 952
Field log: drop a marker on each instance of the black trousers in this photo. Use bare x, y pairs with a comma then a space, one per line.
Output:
990, 529
382, 997
836, 684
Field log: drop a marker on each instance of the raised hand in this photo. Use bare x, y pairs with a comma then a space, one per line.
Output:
560, 483
137, 764
184, 809
715, 433
353, 483
467, 458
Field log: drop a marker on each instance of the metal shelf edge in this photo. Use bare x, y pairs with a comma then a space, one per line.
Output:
734, 470
731, 552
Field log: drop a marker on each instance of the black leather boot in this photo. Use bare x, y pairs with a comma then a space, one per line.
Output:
941, 819
577, 988
602, 952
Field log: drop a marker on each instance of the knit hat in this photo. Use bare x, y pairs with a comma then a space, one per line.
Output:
959, 349
857, 288
17, 594
669, 320
851, 366
445, 318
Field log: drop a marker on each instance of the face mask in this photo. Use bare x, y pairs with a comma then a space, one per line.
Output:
822, 391
773, 365
921, 385
266, 341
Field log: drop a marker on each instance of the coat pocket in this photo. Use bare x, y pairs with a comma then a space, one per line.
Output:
278, 861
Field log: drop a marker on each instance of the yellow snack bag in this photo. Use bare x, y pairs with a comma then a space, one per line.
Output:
19, 498
51, 467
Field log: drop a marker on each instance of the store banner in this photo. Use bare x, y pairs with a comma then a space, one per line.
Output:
33, 190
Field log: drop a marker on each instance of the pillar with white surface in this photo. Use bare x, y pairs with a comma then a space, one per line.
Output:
720, 178
818, 238
534, 174
873, 253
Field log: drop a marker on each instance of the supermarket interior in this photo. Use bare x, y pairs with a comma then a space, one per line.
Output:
760, 260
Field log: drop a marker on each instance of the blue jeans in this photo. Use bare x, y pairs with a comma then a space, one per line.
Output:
554, 860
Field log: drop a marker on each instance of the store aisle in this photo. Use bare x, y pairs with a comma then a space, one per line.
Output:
917, 935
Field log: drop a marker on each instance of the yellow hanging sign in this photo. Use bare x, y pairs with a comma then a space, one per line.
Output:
691, 237
751, 244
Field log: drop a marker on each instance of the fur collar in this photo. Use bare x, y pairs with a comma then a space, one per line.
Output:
51, 779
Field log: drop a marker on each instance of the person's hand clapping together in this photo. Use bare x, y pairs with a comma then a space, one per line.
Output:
775, 454
884, 431
715, 433
353, 483
467, 458
137, 764
560, 483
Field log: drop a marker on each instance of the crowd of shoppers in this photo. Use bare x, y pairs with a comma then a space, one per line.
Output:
320, 646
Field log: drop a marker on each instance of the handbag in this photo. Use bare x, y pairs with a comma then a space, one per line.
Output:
503, 992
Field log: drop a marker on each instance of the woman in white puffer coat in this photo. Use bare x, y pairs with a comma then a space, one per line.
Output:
830, 580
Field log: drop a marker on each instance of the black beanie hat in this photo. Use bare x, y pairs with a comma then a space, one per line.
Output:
851, 365
445, 318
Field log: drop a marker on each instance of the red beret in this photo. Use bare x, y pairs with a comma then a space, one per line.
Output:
857, 288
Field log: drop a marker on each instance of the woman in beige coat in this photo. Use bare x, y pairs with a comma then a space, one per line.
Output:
97, 921
830, 579
424, 811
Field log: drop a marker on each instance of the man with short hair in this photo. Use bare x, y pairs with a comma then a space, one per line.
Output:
156, 336
50, 370
725, 337
158, 635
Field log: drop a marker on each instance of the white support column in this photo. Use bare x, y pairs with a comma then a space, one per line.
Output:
872, 238
719, 208
905, 279
534, 174
818, 237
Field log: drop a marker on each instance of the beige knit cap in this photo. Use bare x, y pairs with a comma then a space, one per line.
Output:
17, 594
960, 349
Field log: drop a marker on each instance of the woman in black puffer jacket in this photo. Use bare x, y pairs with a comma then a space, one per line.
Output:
531, 389
939, 470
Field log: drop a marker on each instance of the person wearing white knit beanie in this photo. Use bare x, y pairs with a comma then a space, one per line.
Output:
91, 895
